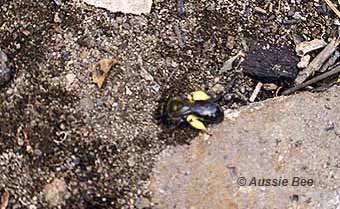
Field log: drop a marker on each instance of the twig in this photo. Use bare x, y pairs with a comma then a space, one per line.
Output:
331, 61
334, 71
180, 37
256, 92
318, 61
333, 7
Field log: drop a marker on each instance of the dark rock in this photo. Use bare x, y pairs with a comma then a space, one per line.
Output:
271, 64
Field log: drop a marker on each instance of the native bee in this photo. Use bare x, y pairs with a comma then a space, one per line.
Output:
197, 110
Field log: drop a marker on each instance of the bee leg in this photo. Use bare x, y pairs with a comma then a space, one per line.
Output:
196, 123
172, 123
198, 96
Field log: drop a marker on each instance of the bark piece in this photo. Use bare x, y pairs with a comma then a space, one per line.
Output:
309, 46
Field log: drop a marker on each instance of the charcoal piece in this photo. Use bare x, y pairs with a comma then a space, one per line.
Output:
271, 64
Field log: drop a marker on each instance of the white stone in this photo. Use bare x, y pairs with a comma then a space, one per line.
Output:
304, 61
69, 80
125, 6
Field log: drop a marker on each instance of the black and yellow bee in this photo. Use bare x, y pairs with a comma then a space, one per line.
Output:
197, 110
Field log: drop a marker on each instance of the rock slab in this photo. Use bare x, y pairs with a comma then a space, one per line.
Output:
295, 138
125, 6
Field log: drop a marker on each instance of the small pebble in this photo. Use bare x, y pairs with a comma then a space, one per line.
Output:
128, 91
218, 89
56, 192
57, 2
57, 19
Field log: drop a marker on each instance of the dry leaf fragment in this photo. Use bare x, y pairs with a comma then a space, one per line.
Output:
4, 200
228, 65
101, 70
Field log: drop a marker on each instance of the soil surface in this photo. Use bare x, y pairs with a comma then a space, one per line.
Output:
57, 126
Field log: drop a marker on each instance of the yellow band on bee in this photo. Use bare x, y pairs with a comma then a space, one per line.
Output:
196, 123
198, 96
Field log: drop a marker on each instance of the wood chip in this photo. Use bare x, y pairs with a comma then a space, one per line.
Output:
309, 46
101, 70
271, 5
270, 86
256, 92
260, 10
317, 62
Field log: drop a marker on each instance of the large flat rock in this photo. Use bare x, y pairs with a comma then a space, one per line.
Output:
125, 6
285, 138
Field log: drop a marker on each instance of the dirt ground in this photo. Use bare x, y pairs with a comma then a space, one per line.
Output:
55, 123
